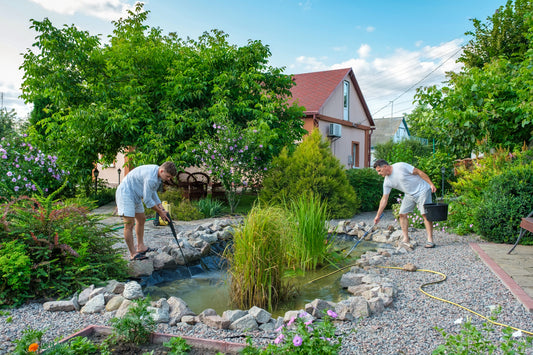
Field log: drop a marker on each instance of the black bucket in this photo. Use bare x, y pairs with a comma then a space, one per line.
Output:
436, 211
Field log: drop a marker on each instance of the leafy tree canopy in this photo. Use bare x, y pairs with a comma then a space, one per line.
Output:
156, 93
488, 106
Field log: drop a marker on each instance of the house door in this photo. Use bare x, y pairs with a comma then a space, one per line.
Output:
355, 154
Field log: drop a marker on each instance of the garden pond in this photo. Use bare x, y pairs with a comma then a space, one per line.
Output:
209, 285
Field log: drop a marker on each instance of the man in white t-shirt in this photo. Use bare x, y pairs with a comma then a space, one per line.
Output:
141, 185
417, 187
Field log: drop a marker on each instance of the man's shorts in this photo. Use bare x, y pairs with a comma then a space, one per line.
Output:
409, 202
126, 207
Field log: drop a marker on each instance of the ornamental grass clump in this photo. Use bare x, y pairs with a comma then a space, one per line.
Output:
257, 261
309, 248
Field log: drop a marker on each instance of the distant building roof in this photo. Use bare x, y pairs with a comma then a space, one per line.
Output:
386, 129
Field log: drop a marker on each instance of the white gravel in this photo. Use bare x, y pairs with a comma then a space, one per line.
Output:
406, 327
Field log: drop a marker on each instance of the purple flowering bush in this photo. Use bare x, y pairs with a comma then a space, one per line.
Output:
303, 336
24, 169
235, 157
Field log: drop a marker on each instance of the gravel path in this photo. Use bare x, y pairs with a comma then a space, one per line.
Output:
406, 327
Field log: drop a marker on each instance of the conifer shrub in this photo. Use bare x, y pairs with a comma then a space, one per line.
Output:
311, 168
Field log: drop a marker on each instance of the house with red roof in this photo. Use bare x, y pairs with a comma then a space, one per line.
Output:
334, 104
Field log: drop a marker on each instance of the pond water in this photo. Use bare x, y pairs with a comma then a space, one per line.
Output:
209, 286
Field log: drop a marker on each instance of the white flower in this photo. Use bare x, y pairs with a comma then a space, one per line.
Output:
458, 321
517, 334
492, 307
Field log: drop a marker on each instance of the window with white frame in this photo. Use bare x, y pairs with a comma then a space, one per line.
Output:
346, 103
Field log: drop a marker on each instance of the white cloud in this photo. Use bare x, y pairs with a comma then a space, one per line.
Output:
103, 9
364, 51
370, 29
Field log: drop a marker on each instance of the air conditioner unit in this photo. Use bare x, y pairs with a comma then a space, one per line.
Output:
334, 130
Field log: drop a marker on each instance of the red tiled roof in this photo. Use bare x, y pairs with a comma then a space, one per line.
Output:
311, 90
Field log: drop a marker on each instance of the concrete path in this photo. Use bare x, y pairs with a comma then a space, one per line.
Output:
515, 270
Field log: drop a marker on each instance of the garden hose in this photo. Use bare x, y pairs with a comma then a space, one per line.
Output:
421, 288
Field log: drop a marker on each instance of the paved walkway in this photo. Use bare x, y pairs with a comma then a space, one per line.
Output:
515, 270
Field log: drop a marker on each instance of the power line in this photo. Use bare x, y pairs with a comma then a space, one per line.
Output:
418, 82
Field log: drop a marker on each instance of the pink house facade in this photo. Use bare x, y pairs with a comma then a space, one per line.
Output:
335, 105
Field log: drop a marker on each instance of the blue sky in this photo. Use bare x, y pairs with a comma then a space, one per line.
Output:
393, 46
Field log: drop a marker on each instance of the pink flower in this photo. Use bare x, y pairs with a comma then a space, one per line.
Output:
279, 339
332, 313
297, 340
291, 321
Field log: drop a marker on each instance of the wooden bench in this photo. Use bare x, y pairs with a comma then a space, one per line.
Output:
525, 226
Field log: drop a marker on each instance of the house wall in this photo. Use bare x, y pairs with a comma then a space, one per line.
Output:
342, 147
334, 106
109, 173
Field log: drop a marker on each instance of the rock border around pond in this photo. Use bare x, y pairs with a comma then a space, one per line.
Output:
371, 291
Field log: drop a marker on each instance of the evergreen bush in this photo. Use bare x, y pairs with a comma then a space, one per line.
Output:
311, 168
368, 186
508, 198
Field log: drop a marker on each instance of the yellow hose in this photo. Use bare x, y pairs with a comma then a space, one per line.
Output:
450, 302
421, 288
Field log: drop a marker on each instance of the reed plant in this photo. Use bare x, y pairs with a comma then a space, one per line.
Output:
257, 261
309, 248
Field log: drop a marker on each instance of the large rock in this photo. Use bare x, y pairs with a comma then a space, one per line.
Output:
246, 323
216, 321
138, 268
178, 309
260, 315
114, 303
233, 315
132, 291
114, 286
59, 306
164, 261
351, 279
352, 309
83, 298
95, 305
318, 307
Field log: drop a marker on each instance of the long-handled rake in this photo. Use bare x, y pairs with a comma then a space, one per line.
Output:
171, 224
363, 237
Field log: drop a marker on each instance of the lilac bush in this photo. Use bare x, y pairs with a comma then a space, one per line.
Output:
24, 169
237, 158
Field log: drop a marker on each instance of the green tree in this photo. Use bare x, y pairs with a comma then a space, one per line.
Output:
155, 93
490, 106
311, 168
503, 35
7, 122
